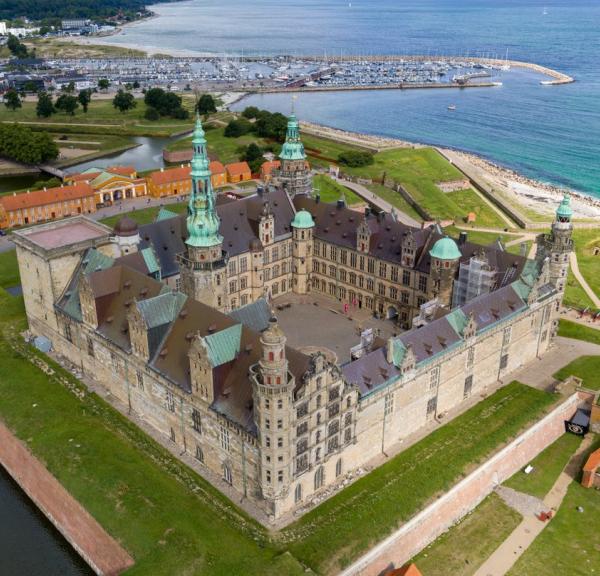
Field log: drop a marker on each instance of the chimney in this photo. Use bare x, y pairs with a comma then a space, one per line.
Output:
462, 239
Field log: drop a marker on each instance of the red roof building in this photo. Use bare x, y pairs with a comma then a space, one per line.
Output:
267, 168
238, 172
591, 472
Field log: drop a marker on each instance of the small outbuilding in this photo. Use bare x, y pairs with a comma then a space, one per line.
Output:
591, 471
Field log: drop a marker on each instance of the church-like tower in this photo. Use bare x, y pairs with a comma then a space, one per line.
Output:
294, 173
558, 245
204, 263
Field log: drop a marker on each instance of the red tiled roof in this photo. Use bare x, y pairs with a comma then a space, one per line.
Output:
592, 462
45, 197
268, 167
216, 167
122, 170
237, 168
128, 171
83, 177
171, 175
408, 570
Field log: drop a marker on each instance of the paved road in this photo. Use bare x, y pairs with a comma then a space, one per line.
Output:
575, 268
369, 196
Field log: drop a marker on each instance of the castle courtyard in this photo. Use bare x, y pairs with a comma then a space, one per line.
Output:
315, 322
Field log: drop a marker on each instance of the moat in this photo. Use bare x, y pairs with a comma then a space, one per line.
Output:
29, 544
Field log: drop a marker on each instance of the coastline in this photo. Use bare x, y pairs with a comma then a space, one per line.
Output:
526, 192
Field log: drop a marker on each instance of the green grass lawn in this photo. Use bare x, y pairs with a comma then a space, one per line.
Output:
395, 199
346, 525
9, 270
575, 296
145, 215
330, 190
464, 548
586, 241
487, 238
109, 121
585, 367
466, 201
570, 544
546, 467
578, 331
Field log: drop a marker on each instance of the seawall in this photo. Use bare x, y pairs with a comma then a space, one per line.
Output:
99, 550
431, 522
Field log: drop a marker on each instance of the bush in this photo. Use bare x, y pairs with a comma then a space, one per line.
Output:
251, 112
166, 103
23, 145
356, 158
180, 114
151, 114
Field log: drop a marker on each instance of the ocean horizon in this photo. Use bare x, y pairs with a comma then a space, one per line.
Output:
549, 133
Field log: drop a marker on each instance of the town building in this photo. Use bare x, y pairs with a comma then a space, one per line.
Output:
591, 471
214, 373
111, 184
238, 172
176, 181
266, 170
47, 204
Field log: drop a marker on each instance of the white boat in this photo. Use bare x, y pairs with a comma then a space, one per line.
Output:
452, 107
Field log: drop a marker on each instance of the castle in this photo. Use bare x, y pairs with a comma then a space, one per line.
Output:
174, 319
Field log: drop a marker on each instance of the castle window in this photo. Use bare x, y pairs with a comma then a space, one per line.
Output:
338, 468
280, 476
434, 378
393, 293
371, 266
470, 356
279, 402
140, 379
170, 401
348, 401
232, 267
333, 444
280, 442
268, 476
347, 435
319, 477
302, 410
382, 269
315, 267
431, 406
90, 347
196, 421
233, 287
224, 438
68, 334
243, 285
503, 361
244, 299
353, 260
406, 277
344, 257
267, 424
268, 441
271, 357
302, 429
172, 436
361, 282
361, 262
422, 283
394, 273
323, 268
506, 335
334, 410
334, 393
199, 454
468, 386
279, 424
302, 446
388, 407
227, 476
298, 493
381, 288
334, 428
332, 271
243, 264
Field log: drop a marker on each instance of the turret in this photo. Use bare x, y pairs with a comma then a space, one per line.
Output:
445, 257
126, 236
203, 264
273, 387
266, 226
302, 234
294, 173
559, 244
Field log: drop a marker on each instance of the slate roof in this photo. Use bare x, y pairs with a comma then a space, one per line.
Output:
338, 225
255, 315
239, 226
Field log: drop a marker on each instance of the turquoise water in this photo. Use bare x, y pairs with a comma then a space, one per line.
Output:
550, 133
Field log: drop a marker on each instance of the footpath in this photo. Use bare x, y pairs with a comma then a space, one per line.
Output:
507, 554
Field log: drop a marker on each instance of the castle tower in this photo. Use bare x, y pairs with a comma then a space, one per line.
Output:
302, 234
273, 387
126, 237
204, 263
294, 174
559, 244
445, 257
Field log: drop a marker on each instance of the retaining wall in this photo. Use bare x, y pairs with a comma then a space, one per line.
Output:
426, 526
101, 552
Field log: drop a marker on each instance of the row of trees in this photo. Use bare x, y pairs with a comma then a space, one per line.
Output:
22, 144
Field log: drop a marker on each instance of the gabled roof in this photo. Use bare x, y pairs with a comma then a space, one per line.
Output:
237, 168
171, 175
216, 167
46, 197
223, 346
165, 214
255, 315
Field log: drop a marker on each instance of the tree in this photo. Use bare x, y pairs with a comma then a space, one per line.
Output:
180, 114
45, 107
250, 112
253, 152
237, 128
355, 158
165, 103
12, 100
30, 86
271, 125
136, 85
17, 49
69, 88
206, 105
103, 83
22, 144
85, 97
151, 114
124, 101
67, 104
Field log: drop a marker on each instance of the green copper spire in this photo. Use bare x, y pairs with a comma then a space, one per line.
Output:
565, 212
292, 149
202, 221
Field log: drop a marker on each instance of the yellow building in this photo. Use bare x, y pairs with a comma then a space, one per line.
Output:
111, 184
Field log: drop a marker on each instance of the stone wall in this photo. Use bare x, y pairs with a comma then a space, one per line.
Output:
426, 526
103, 554
177, 156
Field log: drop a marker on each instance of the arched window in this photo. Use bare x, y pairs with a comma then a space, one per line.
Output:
298, 493
271, 356
319, 477
338, 467
199, 454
